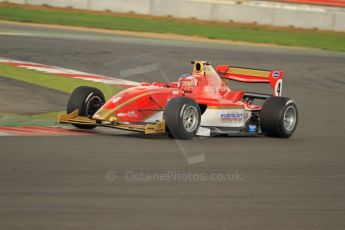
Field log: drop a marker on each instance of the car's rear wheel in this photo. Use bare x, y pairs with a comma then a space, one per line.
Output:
279, 117
87, 100
182, 116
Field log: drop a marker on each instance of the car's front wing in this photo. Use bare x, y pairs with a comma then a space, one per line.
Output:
74, 118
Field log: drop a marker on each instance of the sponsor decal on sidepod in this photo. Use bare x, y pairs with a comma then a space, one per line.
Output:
233, 117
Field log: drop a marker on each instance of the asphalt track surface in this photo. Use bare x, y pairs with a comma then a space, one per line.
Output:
37, 99
80, 182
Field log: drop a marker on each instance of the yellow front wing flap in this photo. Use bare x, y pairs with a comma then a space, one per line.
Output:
73, 118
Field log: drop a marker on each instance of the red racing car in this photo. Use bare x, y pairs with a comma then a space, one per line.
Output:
198, 104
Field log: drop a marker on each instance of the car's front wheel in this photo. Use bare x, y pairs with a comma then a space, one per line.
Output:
87, 100
182, 116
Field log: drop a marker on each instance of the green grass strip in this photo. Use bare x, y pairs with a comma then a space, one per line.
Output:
18, 120
51, 81
286, 37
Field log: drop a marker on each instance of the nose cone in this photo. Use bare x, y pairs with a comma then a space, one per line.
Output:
121, 100
107, 111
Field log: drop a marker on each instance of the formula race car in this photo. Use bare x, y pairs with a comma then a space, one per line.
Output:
198, 104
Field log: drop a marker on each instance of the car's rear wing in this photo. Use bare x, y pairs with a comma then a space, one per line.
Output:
274, 78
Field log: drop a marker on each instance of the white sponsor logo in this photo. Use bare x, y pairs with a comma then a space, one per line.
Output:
128, 114
276, 74
132, 114
232, 117
224, 117
115, 99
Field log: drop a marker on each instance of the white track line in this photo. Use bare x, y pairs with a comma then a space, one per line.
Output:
69, 73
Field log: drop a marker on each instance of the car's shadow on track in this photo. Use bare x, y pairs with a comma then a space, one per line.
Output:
140, 135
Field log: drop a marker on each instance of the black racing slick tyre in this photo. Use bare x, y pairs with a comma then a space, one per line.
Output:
182, 116
279, 117
87, 100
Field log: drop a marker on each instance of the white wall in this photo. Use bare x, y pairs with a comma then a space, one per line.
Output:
78, 4
242, 13
339, 22
303, 19
16, 1
182, 9
264, 13
122, 6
